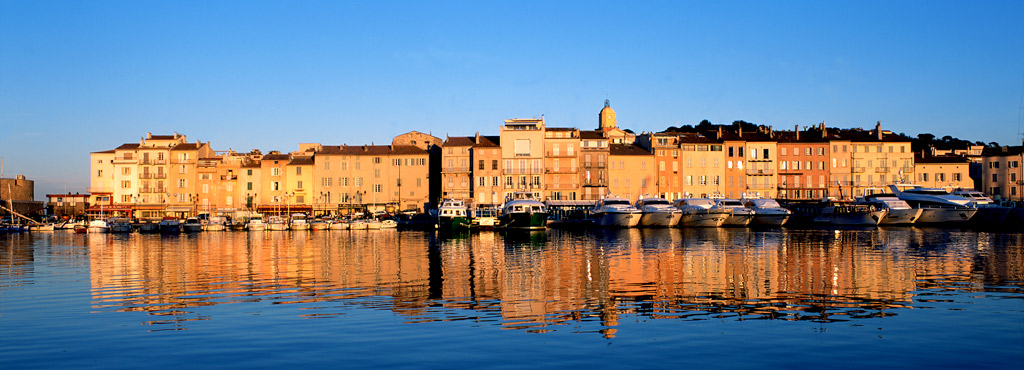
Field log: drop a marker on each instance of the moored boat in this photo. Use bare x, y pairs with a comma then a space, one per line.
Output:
698, 212
255, 223
452, 215
738, 214
767, 212
613, 211
192, 225
217, 223
898, 211
657, 212
276, 223
523, 210
98, 226
938, 206
119, 225
170, 225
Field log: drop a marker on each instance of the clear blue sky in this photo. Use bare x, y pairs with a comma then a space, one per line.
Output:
84, 76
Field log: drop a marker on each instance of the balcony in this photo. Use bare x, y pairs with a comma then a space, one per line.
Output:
522, 171
184, 161
145, 175
159, 175
760, 187
154, 161
857, 170
455, 169
561, 154
594, 165
907, 169
563, 186
228, 177
882, 169
790, 172
125, 160
751, 172
563, 170
760, 160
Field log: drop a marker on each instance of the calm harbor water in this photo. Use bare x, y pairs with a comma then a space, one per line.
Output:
718, 298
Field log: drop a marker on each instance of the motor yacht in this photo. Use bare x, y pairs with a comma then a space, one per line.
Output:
899, 212
767, 212
192, 225
613, 211
657, 212
217, 223
276, 223
452, 215
299, 222
255, 223
738, 214
990, 213
830, 211
524, 210
170, 225
699, 212
119, 225
939, 206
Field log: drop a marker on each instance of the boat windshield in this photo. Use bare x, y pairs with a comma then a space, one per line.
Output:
730, 203
616, 202
655, 201
927, 191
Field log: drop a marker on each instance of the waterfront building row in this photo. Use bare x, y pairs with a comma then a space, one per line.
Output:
168, 174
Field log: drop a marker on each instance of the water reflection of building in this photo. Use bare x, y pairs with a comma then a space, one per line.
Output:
538, 282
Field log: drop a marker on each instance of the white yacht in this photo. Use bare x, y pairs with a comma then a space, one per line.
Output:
899, 212
767, 212
738, 214
698, 212
989, 212
939, 206
613, 211
255, 223
299, 222
524, 210
276, 223
657, 212
217, 223
119, 225
98, 226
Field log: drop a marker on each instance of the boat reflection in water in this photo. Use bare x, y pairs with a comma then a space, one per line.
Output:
536, 280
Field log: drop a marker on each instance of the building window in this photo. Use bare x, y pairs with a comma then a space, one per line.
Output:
182, 183
248, 186
298, 185
298, 170
276, 171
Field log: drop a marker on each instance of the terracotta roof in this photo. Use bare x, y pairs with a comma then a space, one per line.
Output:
812, 136
253, 164
560, 129
626, 149
949, 159
128, 146
186, 146
591, 134
276, 157
489, 142
459, 141
372, 150
111, 151
161, 137
1002, 151
694, 138
298, 161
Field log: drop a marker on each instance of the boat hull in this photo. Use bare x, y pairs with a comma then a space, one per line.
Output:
871, 218
770, 219
453, 222
946, 215
738, 219
702, 219
660, 219
536, 220
617, 219
901, 216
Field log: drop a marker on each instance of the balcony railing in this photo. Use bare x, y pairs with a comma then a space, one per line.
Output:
125, 160
522, 171
760, 160
594, 164
228, 177
791, 172
564, 170
561, 154
907, 169
455, 169
751, 172
154, 161
152, 190
145, 175
857, 170
882, 169
563, 186
159, 175
184, 161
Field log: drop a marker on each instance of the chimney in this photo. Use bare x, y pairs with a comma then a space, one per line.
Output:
741, 131
149, 135
719, 137
477, 140
824, 133
878, 130
796, 129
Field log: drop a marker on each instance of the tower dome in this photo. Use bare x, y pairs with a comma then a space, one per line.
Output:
607, 117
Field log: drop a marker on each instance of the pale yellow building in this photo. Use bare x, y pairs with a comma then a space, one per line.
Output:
948, 172
561, 163
1002, 175
879, 158
456, 171
372, 177
522, 153
631, 171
